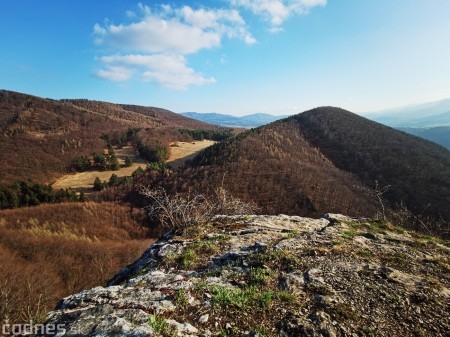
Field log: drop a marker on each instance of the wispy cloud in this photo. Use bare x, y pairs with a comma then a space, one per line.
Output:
114, 73
278, 11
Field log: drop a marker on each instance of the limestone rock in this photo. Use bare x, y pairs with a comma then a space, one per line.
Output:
273, 276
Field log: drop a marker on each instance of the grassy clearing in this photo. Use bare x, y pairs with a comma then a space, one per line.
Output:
258, 303
84, 181
182, 151
375, 226
194, 255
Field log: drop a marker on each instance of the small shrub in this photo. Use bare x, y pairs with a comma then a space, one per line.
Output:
128, 161
182, 210
98, 185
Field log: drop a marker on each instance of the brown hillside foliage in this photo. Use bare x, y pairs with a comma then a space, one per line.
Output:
41, 138
278, 170
50, 251
417, 171
328, 160
169, 118
142, 116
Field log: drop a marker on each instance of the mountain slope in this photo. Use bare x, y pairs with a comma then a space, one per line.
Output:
417, 171
247, 121
439, 135
40, 137
325, 159
51, 251
140, 115
278, 169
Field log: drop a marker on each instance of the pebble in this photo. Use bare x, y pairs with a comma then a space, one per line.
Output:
203, 319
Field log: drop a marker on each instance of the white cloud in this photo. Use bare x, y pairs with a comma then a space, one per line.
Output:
156, 35
278, 11
159, 39
116, 74
170, 71
182, 30
276, 29
224, 22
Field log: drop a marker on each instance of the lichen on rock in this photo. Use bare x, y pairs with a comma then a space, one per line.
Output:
273, 276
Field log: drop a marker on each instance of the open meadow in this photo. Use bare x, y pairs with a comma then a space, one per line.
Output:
84, 181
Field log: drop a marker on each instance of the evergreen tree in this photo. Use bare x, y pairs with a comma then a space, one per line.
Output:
113, 162
113, 180
100, 160
98, 185
137, 172
128, 161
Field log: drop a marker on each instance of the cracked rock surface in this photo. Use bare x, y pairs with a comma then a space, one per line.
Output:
273, 276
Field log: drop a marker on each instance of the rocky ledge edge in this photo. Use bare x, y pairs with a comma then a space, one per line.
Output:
272, 276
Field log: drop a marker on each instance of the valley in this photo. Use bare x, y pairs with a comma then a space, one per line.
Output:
322, 160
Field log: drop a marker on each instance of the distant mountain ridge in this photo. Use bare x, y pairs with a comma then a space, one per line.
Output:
428, 120
424, 115
439, 134
247, 121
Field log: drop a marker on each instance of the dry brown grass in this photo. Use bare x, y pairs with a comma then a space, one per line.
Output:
84, 181
41, 138
180, 152
51, 251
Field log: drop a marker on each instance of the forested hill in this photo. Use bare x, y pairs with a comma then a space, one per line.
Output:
278, 169
417, 171
140, 115
41, 137
326, 159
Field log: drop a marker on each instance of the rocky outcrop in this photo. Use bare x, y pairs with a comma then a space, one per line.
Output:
273, 276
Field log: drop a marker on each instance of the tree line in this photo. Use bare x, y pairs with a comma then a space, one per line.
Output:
207, 134
28, 193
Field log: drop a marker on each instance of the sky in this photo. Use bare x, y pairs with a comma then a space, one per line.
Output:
229, 56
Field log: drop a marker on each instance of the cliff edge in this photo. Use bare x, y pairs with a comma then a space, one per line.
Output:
272, 276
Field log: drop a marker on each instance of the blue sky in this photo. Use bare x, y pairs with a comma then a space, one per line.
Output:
229, 56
